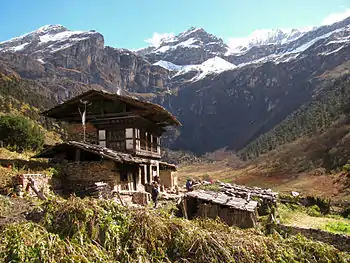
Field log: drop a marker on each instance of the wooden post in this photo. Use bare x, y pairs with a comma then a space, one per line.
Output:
38, 193
184, 204
120, 198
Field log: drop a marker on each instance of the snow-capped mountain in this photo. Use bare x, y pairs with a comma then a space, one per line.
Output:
194, 46
47, 39
191, 74
265, 37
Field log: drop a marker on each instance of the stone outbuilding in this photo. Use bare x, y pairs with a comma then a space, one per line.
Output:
231, 210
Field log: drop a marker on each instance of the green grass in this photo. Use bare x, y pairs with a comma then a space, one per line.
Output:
338, 227
310, 217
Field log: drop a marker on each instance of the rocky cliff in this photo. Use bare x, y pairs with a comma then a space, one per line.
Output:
223, 97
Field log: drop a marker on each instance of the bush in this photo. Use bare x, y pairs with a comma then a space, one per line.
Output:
313, 211
346, 167
19, 133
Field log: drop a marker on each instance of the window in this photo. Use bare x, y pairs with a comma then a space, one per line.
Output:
102, 138
154, 144
123, 176
149, 141
143, 139
129, 139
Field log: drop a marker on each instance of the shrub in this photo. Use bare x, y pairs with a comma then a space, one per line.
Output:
313, 211
346, 167
19, 133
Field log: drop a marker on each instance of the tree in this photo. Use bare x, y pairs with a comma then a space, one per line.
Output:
19, 133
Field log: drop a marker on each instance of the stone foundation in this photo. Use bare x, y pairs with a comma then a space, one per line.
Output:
78, 174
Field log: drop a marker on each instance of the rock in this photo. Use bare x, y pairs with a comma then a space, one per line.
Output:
295, 194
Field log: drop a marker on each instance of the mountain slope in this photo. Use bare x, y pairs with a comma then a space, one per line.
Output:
329, 107
222, 100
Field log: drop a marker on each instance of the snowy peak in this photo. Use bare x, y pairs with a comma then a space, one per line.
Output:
266, 37
217, 64
44, 30
49, 38
193, 46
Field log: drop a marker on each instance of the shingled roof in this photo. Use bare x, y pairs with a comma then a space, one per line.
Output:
92, 148
223, 199
151, 109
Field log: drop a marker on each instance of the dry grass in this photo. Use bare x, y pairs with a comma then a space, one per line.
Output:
100, 231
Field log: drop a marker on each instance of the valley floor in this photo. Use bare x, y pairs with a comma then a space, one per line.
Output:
316, 183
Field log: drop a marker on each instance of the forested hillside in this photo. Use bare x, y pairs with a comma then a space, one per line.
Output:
23, 97
329, 108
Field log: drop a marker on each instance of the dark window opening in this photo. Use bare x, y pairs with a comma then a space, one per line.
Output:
143, 139
143, 179
123, 176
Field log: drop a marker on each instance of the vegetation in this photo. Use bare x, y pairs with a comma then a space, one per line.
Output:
19, 133
90, 230
346, 167
338, 227
311, 217
331, 106
24, 98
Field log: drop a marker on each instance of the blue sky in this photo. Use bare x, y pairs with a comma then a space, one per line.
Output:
129, 23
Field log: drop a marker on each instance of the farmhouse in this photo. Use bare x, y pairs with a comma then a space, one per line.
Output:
112, 139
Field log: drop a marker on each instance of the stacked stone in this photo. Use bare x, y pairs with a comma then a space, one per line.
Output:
97, 190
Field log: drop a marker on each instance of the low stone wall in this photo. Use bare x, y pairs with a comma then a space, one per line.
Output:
91, 171
341, 242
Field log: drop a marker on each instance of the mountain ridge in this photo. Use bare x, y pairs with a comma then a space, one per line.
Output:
258, 87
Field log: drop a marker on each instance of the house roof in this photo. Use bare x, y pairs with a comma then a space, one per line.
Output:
92, 148
153, 111
223, 199
98, 150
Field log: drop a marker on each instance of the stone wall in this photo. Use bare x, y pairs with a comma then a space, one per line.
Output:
342, 242
88, 173
91, 171
141, 198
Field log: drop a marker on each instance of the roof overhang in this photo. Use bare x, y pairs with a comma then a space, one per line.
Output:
150, 109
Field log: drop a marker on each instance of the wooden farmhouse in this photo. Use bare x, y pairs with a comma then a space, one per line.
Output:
119, 143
